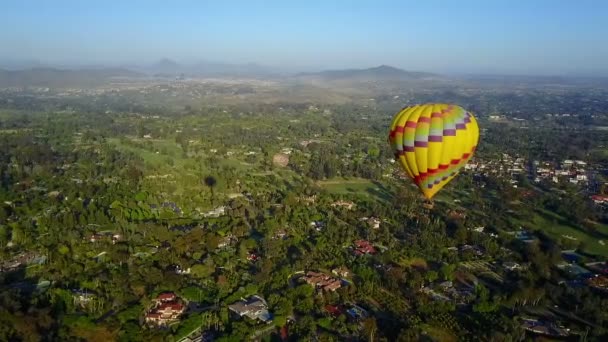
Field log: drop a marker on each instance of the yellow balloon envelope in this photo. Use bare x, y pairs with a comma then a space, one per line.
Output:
433, 142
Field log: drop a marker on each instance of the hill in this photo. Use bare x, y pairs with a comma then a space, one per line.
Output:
383, 72
62, 78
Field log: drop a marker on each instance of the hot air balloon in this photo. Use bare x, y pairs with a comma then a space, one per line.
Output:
433, 142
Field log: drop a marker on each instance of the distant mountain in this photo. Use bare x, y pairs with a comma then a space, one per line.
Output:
62, 78
169, 68
166, 66
383, 72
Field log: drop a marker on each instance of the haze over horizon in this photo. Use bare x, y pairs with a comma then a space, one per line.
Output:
501, 37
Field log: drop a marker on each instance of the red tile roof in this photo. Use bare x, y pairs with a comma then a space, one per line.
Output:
334, 310
166, 296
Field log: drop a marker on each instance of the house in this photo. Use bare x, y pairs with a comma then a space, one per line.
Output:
217, 212
254, 308
599, 282
456, 215
476, 250
345, 204
165, 313
322, 281
317, 225
511, 266
116, 238
82, 298
179, 270
600, 267
253, 257
543, 327
167, 308
356, 312
363, 247
334, 310
95, 237
280, 234
226, 241
599, 199
166, 297
105, 236
341, 271
373, 222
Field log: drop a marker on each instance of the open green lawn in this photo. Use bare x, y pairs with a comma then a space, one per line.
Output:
558, 227
356, 186
157, 159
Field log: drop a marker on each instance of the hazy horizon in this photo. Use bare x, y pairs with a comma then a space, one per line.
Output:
501, 37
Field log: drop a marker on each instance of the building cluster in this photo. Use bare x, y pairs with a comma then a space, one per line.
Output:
573, 171
465, 249
592, 274
544, 327
167, 308
322, 281
353, 311
447, 291
254, 307
506, 166
20, 260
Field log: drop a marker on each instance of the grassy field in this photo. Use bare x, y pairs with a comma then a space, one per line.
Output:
156, 159
559, 227
355, 186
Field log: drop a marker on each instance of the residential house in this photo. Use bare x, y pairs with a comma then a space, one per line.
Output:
341, 271
345, 204
599, 199
334, 310
363, 247
166, 297
373, 222
165, 313
253, 257
166, 309
217, 212
317, 225
280, 234
322, 281
511, 266
254, 308
599, 282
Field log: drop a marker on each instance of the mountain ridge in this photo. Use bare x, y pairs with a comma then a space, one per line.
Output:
55, 77
379, 72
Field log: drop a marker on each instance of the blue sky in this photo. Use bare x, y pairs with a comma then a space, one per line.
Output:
491, 36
